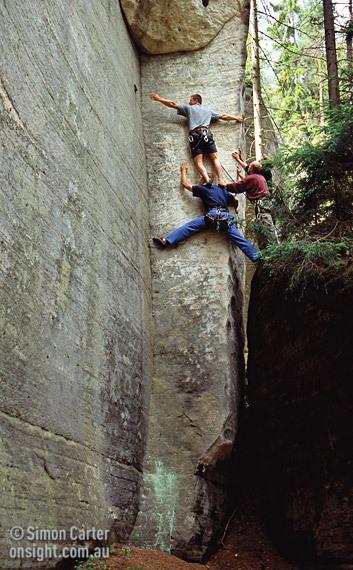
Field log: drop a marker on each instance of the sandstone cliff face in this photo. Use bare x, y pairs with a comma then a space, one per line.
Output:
77, 342
301, 399
75, 275
167, 26
197, 309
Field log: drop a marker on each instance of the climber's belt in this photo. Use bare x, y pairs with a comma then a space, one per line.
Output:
218, 209
219, 218
201, 129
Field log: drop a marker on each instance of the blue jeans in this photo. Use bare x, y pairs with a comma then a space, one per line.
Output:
198, 224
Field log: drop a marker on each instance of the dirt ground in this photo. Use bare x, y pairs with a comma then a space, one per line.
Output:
246, 547
126, 558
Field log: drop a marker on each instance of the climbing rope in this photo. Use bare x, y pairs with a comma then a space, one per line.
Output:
229, 175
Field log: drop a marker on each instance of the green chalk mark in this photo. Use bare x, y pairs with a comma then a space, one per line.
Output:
164, 485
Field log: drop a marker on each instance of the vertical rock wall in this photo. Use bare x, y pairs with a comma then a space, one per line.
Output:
197, 308
76, 287
75, 275
301, 401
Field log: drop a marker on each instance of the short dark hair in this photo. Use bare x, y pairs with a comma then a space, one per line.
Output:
197, 97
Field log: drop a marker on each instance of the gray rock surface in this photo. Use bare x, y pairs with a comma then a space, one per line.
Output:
76, 303
75, 275
166, 26
197, 309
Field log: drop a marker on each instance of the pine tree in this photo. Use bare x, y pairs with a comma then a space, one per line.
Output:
349, 36
256, 80
297, 98
331, 54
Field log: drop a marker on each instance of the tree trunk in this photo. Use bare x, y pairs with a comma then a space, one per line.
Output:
256, 80
349, 37
321, 94
331, 55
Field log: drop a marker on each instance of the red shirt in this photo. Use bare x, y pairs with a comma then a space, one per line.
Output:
254, 186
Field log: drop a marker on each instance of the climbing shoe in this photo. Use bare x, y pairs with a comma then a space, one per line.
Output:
160, 242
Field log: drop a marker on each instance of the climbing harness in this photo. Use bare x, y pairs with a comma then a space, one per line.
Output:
200, 136
220, 218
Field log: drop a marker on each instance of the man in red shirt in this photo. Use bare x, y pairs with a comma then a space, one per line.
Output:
256, 190
254, 185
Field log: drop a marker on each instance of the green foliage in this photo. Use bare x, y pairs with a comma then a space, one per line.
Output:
317, 190
304, 265
257, 231
295, 56
126, 551
312, 201
297, 61
313, 209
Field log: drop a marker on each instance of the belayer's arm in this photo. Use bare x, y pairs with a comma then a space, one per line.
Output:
241, 176
237, 187
237, 156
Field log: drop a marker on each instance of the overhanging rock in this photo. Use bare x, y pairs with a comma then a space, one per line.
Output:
167, 26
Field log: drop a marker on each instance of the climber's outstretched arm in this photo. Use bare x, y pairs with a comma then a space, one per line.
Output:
166, 102
227, 117
183, 179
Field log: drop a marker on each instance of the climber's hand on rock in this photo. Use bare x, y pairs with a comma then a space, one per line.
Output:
154, 96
